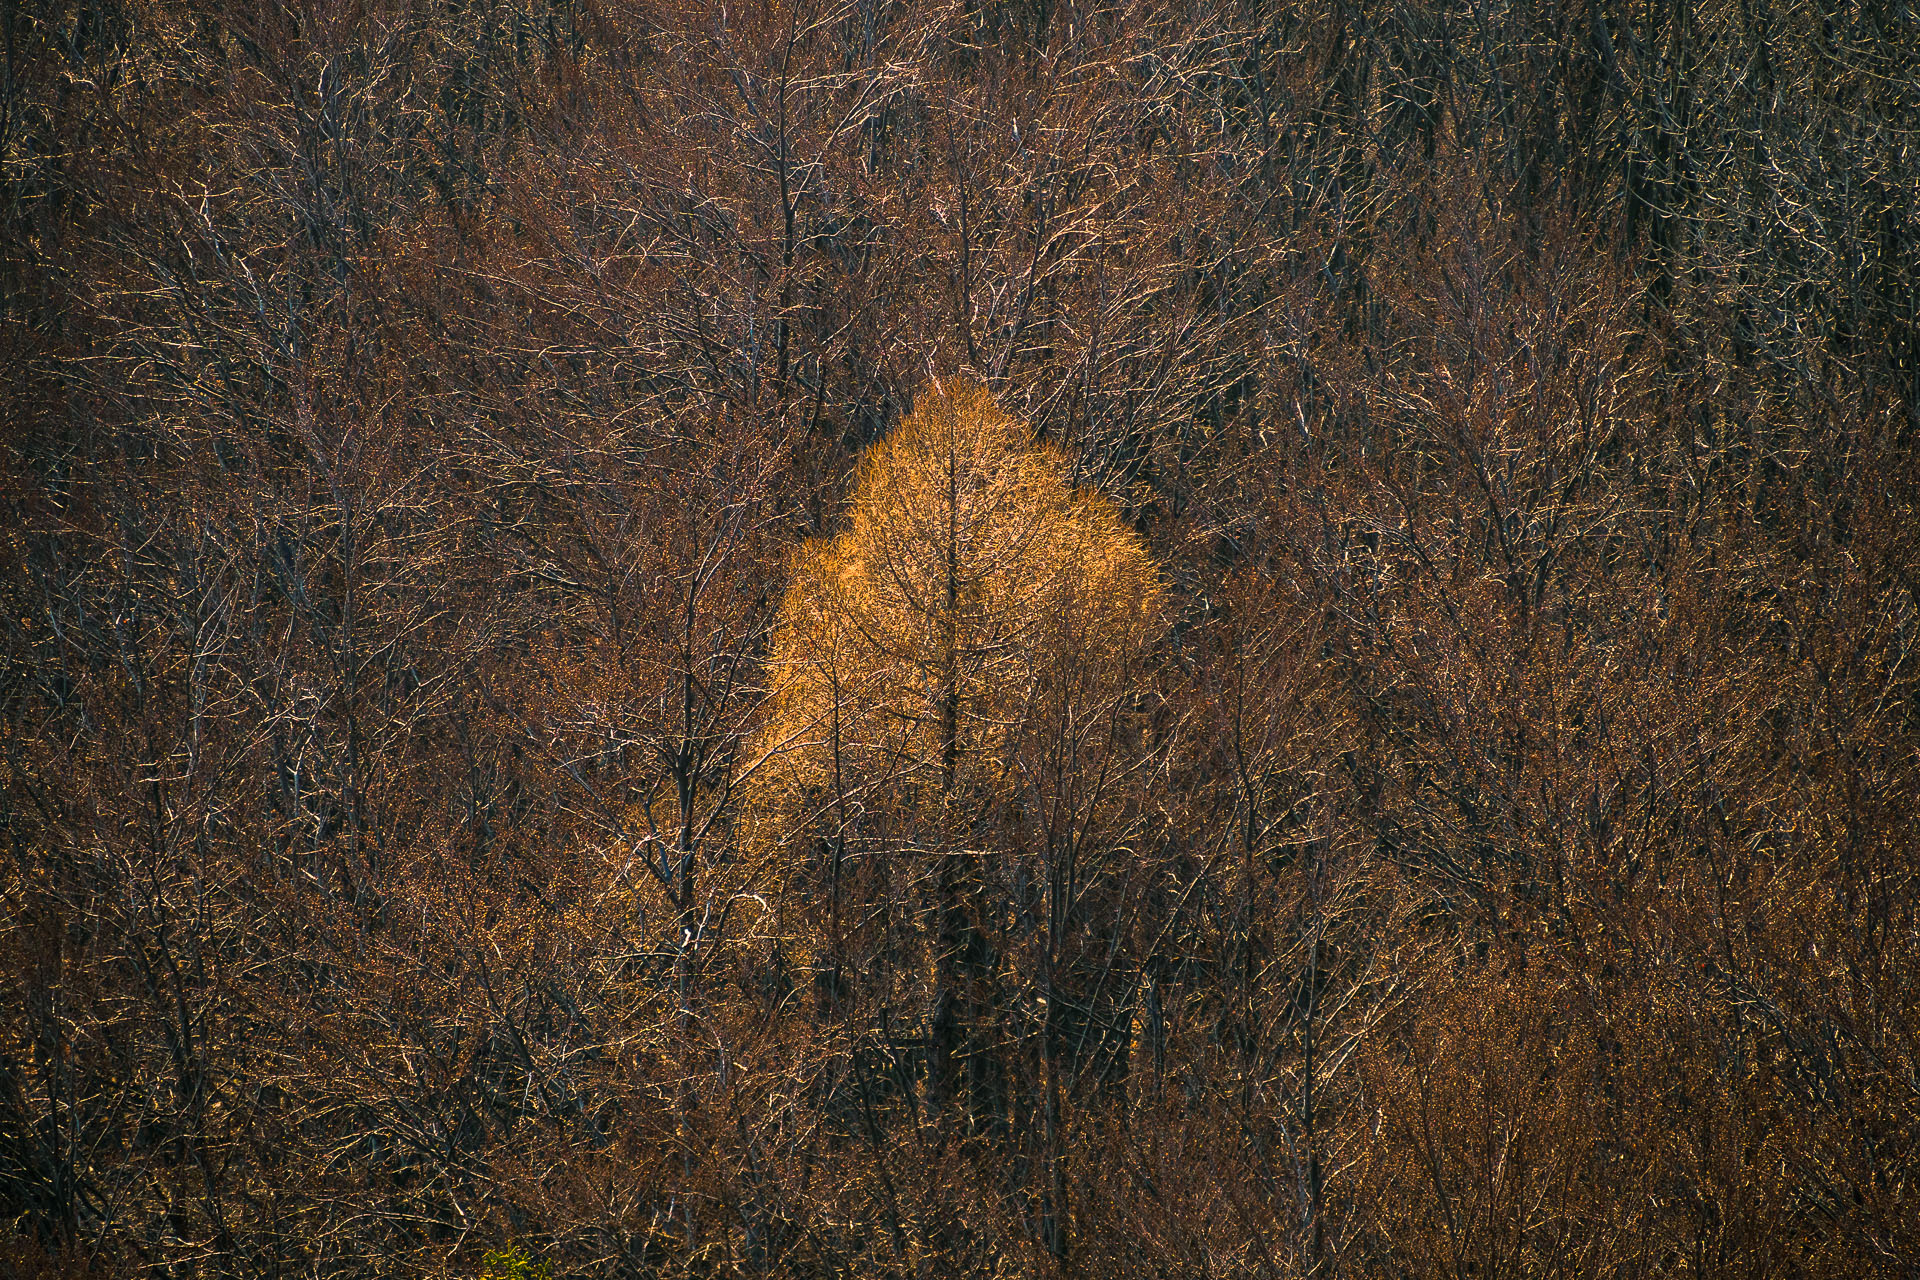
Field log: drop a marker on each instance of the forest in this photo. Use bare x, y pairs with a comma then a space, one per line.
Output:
914, 639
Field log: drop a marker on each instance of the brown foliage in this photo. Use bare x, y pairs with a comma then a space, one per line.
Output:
887, 638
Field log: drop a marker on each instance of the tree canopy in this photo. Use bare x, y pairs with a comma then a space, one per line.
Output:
972, 591
1366, 724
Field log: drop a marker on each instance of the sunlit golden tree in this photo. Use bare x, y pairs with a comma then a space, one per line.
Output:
971, 586
951, 674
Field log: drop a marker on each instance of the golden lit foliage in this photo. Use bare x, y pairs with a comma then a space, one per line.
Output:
972, 592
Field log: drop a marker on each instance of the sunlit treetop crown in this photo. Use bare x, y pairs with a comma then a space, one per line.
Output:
972, 590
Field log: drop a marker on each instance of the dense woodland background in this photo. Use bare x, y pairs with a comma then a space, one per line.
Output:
440, 573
